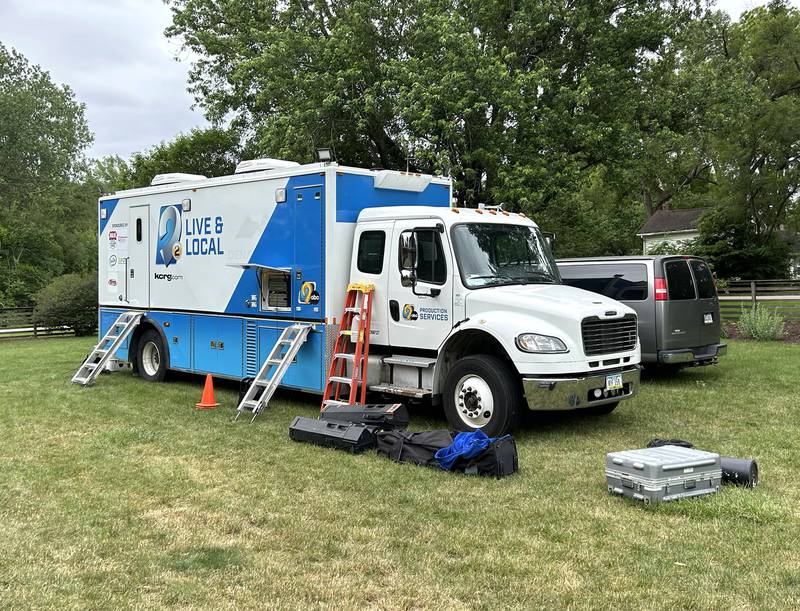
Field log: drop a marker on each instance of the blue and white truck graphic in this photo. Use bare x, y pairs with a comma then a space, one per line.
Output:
468, 306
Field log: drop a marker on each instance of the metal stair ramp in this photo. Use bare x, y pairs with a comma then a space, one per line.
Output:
357, 303
273, 369
106, 348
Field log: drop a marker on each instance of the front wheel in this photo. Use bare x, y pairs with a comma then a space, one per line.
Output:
151, 357
480, 392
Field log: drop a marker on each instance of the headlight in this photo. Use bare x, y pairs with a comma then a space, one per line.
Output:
533, 342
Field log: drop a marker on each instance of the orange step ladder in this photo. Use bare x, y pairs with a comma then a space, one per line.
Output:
358, 302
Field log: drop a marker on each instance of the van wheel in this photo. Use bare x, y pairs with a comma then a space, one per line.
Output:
480, 392
602, 410
151, 357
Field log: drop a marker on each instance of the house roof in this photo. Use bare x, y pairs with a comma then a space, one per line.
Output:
668, 221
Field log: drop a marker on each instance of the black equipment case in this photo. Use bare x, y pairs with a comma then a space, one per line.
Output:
342, 435
383, 416
497, 460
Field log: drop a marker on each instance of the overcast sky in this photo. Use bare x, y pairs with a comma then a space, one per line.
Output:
115, 57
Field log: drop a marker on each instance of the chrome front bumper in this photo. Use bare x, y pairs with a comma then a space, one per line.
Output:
577, 391
704, 355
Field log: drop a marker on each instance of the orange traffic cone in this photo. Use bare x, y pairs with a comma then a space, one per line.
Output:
208, 401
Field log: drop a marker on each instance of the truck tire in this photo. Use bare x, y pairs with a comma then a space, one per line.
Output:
151, 357
481, 392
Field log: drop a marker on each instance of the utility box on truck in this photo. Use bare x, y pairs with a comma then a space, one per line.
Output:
468, 305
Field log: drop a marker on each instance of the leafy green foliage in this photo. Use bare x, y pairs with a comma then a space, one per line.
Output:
210, 152
44, 214
761, 324
69, 300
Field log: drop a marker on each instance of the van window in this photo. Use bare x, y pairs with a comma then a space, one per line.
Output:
679, 280
431, 265
624, 282
702, 276
370, 252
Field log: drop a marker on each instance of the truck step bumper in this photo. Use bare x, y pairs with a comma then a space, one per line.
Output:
578, 391
703, 355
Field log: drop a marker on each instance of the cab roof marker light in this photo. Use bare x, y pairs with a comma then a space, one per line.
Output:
661, 289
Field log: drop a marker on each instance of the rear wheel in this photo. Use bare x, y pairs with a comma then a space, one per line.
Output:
480, 392
151, 357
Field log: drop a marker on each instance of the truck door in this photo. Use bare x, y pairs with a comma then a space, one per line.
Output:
370, 262
420, 291
137, 281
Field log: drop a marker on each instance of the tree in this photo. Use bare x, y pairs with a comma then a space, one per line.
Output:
43, 134
210, 152
516, 101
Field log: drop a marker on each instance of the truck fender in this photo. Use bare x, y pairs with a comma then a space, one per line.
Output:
133, 347
471, 336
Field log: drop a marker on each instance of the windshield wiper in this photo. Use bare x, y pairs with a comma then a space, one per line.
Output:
491, 277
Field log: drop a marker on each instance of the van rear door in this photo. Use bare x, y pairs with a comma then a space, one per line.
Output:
709, 328
681, 313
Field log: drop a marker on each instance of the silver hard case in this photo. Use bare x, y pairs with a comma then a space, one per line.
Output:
660, 474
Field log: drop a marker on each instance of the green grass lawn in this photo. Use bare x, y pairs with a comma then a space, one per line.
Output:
121, 495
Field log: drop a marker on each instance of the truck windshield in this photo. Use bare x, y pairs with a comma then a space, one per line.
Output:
490, 254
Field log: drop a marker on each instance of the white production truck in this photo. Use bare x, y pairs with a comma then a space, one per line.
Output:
468, 306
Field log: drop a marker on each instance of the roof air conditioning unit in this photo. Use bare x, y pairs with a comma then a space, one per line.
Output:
263, 165
174, 177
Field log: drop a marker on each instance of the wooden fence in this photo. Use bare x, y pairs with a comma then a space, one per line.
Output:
781, 296
18, 322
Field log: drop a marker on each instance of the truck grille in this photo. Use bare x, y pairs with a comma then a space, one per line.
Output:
608, 336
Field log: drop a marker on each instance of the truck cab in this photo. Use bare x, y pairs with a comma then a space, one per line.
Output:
469, 310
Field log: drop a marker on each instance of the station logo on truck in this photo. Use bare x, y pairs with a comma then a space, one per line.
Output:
179, 236
437, 314
308, 293
409, 313
168, 247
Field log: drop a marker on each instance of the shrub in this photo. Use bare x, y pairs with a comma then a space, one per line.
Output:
68, 300
761, 324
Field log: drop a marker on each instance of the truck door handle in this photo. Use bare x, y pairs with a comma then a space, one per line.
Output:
394, 310
131, 272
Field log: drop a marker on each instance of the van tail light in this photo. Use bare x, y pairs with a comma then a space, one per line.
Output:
661, 289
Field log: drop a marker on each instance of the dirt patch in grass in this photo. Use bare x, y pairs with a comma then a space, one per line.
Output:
791, 332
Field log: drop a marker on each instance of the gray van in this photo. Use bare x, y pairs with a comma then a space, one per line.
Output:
674, 296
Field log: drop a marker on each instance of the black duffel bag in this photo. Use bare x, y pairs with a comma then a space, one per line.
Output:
497, 460
417, 448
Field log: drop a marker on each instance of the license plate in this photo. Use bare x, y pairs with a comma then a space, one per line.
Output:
708, 318
614, 381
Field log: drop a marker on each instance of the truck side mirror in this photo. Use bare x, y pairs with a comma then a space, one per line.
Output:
408, 251
550, 238
408, 278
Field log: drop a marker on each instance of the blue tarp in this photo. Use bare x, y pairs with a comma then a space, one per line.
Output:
466, 445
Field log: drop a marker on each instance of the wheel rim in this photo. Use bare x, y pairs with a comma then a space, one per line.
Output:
151, 358
474, 401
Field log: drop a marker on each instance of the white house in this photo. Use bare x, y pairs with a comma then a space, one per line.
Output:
675, 227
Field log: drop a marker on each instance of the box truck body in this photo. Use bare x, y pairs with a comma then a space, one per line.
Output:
220, 267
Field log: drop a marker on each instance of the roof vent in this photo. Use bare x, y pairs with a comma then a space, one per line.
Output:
262, 165
174, 177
